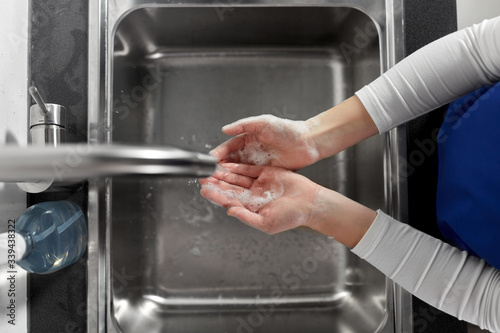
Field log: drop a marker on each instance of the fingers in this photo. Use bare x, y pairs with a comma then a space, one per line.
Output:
233, 178
244, 215
241, 175
220, 192
226, 152
255, 220
248, 207
253, 171
250, 124
241, 192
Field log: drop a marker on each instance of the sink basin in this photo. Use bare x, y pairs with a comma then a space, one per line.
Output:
173, 262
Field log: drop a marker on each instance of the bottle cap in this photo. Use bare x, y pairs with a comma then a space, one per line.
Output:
11, 246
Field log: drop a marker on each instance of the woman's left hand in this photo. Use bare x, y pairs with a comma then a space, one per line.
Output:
274, 199
270, 199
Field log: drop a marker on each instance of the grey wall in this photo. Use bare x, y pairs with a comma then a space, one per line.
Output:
470, 12
13, 130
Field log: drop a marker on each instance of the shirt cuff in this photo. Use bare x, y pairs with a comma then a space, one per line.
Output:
373, 236
370, 102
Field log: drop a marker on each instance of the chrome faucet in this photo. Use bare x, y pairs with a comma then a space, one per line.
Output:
73, 162
47, 122
36, 167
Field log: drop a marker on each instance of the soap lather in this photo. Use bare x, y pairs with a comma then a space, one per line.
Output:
47, 237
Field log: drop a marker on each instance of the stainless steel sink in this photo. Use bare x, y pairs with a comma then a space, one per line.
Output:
161, 258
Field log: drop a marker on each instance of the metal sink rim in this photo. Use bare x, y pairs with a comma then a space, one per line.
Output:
100, 33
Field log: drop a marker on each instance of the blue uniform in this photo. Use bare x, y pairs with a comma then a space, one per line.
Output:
468, 193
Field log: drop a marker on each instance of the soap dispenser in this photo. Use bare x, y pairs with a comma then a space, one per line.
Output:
47, 237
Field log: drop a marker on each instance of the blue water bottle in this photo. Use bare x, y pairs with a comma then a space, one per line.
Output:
55, 236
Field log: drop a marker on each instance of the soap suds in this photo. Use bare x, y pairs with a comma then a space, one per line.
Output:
252, 202
277, 130
255, 153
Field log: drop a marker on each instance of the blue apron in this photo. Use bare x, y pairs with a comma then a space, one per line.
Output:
468, 193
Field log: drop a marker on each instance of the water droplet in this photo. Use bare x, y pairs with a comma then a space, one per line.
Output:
195, 251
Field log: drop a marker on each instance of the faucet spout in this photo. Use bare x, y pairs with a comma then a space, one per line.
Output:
80, 161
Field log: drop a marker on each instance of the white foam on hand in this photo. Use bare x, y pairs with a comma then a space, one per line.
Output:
274, 131
250, 201
256, 154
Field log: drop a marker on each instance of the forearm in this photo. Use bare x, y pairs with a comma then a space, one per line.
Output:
339, 217
341, 127
439, 274
432, 76
435, 75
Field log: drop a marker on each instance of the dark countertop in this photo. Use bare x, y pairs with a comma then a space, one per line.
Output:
59, 70
57, 302
426, 21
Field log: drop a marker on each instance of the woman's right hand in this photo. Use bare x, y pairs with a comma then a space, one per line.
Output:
268, 140
290, 144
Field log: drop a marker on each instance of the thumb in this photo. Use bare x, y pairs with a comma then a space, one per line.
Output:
244, 215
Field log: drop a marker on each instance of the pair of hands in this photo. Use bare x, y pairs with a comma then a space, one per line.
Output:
255, 182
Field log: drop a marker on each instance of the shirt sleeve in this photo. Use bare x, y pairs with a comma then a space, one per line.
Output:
435, 75
449, 279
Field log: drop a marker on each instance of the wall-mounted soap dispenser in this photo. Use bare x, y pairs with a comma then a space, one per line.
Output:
47, 237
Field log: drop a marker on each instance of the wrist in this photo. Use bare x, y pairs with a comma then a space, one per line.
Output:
340, 127
318, 135
339, 217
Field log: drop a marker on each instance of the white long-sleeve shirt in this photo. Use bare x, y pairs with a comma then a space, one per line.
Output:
439, 274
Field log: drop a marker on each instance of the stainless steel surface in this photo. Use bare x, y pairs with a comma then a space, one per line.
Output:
38, 99
50, 135
55, 114
49, 128
81, 161
161, 258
